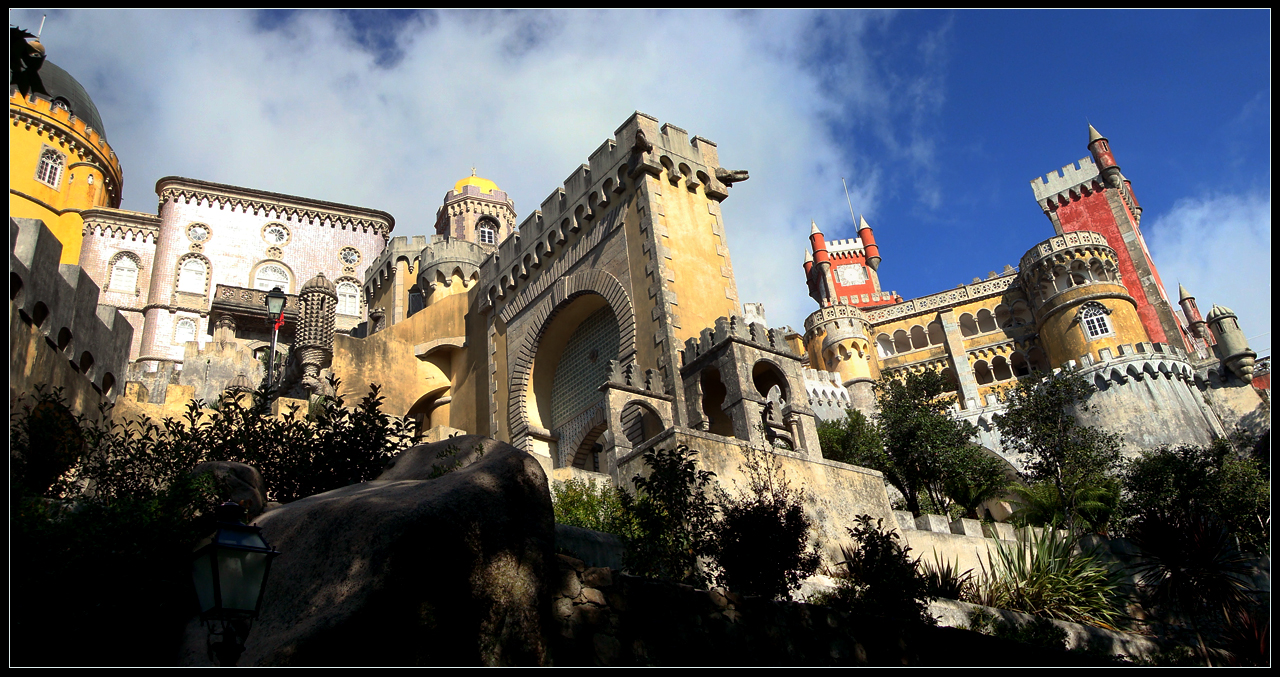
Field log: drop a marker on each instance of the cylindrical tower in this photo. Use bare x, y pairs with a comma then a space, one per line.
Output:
1233, 348
1081, 306
836, 340
313, 346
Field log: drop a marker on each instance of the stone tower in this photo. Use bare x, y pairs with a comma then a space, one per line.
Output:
1233, 348
1093, 195
476, 210
314, 343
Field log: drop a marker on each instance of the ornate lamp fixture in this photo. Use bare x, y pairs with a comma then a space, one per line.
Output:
275, 313
230, 568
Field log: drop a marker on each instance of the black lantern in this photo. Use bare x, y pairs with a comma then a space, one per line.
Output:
230, 568
275, 313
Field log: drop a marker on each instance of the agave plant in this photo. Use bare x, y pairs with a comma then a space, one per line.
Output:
1049, 576
944, 579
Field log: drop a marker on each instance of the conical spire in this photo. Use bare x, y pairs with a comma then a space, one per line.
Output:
814, 230
1094, 135
1183, 294
862, 222
808, 257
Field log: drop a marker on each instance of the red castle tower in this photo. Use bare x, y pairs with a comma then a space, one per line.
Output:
843, 272
1092, 194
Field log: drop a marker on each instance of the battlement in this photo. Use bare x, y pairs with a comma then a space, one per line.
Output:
968, 292
835, 313
640, 146
43, 105
735, 329
850, 245
120, 223
61, 302
1070, 177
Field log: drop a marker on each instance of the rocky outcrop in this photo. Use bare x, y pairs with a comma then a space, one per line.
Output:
410, 570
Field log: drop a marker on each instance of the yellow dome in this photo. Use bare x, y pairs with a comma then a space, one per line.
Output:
485, 185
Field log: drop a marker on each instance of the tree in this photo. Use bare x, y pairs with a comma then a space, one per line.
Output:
762, 542
1040, 424
674, 517
853, 440
923, 447
1219, 480
972, 476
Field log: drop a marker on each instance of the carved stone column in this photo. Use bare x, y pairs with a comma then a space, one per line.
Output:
314, 344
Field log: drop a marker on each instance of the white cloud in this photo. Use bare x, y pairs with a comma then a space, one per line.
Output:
302, 108
1219, 248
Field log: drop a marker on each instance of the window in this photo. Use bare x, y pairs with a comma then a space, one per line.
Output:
275, 234
348, 299
350, 256
191, 276
49, 171
1093, 317
198, 232
184, 331
487, 234
271, 276
124, 275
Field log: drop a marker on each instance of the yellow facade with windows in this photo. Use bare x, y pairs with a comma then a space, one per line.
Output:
58, 167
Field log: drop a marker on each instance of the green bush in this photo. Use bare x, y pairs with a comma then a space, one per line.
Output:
881, 579
762, 540
674, 518
586, 504
943, 579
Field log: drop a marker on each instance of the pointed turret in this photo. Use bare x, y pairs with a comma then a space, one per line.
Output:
1100, 148
869, 243
819, 244
1195, 323
808, 261
1094, 135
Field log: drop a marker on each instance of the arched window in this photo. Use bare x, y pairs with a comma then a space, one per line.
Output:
1093, 318
191, 277
124, 275
271, 276
348, 298
918, 338
49, 171
986, 323
486, 233
937, 336
884, 345
184, 330
967, 325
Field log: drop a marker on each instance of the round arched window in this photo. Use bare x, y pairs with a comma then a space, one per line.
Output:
271, 276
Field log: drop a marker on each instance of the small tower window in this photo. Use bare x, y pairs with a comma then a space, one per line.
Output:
184, 331
486, 233
191, 276
1093, 317
49, 171
124, 275
348, 299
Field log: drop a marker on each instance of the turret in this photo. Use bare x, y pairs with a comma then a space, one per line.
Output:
1102, 157
869, 244
1192, 313
1233, 348
808, 261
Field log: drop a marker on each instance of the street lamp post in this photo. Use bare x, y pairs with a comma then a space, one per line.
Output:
275, 313
230, 568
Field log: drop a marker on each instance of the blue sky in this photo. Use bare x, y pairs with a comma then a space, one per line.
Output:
939, 120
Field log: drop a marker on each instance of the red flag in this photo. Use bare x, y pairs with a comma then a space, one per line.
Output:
280, 320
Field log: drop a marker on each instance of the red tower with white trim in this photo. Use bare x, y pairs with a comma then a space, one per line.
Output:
843, 272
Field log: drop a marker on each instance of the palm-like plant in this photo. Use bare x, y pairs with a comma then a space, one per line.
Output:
1191, 567
1049, 576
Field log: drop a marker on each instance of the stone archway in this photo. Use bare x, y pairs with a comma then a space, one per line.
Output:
563, 293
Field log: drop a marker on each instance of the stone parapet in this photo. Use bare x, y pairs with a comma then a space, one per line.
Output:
969, 292
1073, 178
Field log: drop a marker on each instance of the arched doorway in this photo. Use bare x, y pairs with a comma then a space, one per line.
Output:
570, 364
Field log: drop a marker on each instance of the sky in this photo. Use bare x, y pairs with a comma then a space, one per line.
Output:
937, 121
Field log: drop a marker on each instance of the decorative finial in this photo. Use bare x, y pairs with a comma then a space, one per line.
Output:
473, 170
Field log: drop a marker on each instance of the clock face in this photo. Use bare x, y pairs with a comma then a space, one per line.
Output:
276, 235
198, 233
350, 256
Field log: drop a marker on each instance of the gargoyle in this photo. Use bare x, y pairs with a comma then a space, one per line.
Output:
731, 176
641, 144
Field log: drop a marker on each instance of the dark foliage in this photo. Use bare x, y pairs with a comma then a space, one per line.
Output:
855, 440
1040, 423
674, 517
881, 579
1223, 480
1040, 632
104, 515
944, 580
583, 503
762, 544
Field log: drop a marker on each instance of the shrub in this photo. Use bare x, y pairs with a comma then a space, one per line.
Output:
1048, 576
1040, 632
674, 517
881, 580
943, 579
762, 544
586, 504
